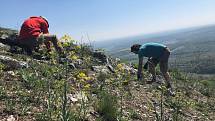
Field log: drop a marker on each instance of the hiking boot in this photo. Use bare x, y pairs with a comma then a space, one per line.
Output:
13, 49
150, 82
171, 92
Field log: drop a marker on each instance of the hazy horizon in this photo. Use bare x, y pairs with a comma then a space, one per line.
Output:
157, 33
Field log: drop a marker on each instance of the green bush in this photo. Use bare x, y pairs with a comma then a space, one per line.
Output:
107, 106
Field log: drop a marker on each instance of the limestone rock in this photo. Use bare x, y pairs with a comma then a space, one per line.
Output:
12, 63
100, 69
101, 56
11, 118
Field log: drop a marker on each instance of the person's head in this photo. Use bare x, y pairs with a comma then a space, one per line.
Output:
44, 18
135, 48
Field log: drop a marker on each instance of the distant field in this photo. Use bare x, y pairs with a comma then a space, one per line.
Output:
193, 49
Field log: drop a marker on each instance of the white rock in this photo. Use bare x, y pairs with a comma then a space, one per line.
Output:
77, 97
13, 63
11, 118
144, 115
100, 69
73, 99
4, 46
145, 107
11, 73
81, 96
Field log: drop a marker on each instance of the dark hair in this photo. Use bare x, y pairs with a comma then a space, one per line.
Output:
135, 47
46, 20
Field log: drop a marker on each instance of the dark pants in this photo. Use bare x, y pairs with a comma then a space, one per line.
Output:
28, 45
163, 60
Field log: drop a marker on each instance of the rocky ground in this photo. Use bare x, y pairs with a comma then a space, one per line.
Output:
88, 85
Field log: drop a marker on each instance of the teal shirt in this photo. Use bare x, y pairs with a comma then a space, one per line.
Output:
151, 50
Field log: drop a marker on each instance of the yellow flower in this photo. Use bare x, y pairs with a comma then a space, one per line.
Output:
87, 86
125, 82
119, 66
65, 44
82, 81
81, 75
54, 61
71, 52
87, 78
74, 57
78, 47
66, 38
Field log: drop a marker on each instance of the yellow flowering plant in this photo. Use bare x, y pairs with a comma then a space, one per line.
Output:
84, 80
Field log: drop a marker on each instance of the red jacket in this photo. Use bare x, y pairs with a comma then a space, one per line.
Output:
33, 27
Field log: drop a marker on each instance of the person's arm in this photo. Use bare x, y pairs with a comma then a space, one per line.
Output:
140, 65
48, 46
44, 27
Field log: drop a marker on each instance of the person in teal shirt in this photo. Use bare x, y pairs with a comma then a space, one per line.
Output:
157, 54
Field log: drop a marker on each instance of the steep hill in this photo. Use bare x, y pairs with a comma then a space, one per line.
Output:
91, 86
192, 48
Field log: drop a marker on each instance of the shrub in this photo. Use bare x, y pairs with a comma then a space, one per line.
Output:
107, 106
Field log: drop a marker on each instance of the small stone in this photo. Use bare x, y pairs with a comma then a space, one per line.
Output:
12, 63
73, 99
35, 109
100, 69
110, 68
144, 115
117, 59
11, 73
29, 112
4, 46
145, 87
11, 118
145, 107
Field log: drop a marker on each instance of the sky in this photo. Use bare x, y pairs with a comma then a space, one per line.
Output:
97, 20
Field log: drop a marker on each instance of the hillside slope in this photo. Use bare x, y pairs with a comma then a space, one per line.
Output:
91, 86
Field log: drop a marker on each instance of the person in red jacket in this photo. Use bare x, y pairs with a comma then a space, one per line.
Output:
34, 32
